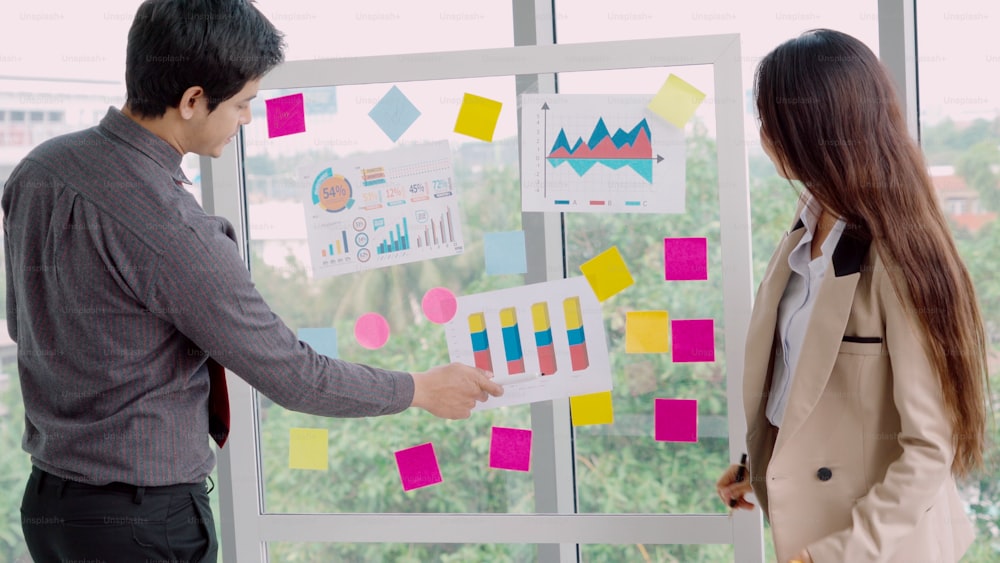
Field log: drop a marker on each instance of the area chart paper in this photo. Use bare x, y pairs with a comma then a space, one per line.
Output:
381, 209
599, 154
553, 329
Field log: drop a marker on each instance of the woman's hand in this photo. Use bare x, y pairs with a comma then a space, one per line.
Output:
731, 490
802, 557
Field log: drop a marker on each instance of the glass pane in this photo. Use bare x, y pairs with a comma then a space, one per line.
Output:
656, 553
959, 97
317, 30
362, 474
620, 467
401, 553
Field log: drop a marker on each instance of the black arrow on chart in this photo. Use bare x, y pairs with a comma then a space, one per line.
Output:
545, 149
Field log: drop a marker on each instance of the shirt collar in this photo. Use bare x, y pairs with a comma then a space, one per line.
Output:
144, 141
810, 217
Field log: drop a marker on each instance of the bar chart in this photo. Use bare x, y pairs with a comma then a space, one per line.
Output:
338, 247
399, 239
554, 329
437, 232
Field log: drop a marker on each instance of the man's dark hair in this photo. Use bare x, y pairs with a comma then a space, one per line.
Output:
173, 45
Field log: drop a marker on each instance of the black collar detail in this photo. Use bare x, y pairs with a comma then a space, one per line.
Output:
850, 254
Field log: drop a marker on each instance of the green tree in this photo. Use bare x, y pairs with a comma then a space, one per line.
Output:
979, 165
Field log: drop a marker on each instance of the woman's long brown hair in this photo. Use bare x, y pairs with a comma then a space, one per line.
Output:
829, 111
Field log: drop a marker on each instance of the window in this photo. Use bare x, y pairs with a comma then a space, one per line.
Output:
960, 128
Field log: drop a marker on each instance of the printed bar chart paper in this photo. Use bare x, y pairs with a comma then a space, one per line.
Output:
599, 154
381, 209
553, 329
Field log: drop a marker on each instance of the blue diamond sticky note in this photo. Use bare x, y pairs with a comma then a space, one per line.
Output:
394, 113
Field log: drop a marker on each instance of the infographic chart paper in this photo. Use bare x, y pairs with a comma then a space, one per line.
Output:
553, 330
599, 154
381, 209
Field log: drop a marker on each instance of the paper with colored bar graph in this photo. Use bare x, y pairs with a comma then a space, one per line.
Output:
381, 209
553, 329
599, 154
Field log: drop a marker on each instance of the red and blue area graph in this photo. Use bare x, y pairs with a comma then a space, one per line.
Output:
631, 148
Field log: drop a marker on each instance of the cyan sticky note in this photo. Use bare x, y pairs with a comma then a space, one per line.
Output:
693, 340
510, 448
418, 467
676, 420
478, 117
505, 253
323, 340
285, 115
394, 113
685, 259
308, 448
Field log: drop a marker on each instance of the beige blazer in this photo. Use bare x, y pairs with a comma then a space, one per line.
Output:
860, 468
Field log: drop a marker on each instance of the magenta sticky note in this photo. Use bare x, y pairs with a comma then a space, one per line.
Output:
693, 340
418, 467
510, 448
285, 115
675, 420
685, 259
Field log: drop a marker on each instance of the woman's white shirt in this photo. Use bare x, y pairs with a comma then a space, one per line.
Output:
796, 306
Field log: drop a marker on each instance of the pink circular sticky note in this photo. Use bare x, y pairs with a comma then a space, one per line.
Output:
439, 305
371, 330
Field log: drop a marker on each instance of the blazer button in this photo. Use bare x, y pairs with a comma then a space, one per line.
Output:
824, 474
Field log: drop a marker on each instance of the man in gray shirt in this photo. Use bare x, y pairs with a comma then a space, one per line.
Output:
122, 291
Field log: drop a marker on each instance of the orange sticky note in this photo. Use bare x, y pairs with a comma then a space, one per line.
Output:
676, 101
594, 408
647, 332
478, 117
607, 273
308, 448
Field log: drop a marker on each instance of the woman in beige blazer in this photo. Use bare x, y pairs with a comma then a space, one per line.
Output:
865, 378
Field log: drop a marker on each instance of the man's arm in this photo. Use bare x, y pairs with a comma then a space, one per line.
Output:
205, 290
9, 272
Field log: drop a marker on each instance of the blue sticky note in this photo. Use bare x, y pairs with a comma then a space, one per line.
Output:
505, 253
323, 340
394, 113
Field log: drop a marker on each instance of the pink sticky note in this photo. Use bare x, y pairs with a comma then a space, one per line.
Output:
418, 467
371, 330
285, 115
439, 305
676, 420
693, 340
510, 448
685, 259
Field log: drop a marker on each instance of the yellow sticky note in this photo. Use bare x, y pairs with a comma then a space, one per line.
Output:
594, 408
647, 332
607, 273
307, 448
676, 101
478, 117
